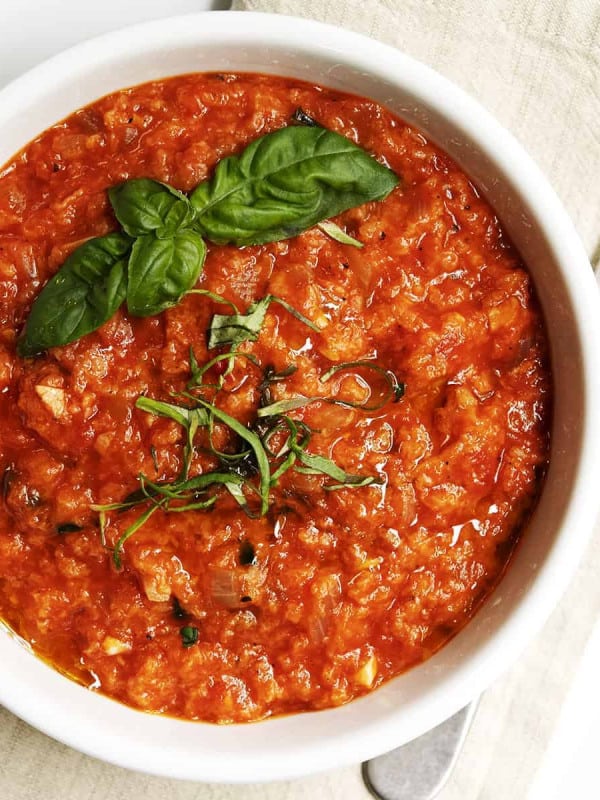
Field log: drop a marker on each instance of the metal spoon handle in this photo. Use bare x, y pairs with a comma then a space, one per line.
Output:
419, 769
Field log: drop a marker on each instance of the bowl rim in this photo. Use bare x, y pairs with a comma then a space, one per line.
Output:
326, 751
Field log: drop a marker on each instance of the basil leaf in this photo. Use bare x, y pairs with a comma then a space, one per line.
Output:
145, 206
286, 182
82, 296
161, 271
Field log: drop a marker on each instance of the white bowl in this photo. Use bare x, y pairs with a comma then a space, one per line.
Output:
545, 560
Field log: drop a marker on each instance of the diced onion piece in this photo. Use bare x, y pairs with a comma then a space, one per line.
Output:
367, 673
157, 587
234, 588
407, 505
224, 587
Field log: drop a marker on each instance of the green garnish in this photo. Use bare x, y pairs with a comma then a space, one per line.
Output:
189, 635
333, 230
255, 467
393, 389
279, 186
189, 418
255, 443
281, 406
145, 206
286, 182
161, 271
83, 295
135, 526
237, 328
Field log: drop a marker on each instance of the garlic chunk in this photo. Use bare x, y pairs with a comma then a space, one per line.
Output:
53, 398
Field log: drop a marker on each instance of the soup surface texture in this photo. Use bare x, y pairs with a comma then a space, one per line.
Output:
214, 614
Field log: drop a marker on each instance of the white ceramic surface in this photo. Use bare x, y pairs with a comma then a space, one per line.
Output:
414, 702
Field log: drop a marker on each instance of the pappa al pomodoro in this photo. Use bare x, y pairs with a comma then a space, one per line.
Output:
275, 396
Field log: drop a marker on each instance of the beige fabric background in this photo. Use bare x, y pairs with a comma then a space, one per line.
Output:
536, 66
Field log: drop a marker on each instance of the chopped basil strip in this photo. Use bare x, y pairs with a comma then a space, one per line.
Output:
189, 635
135, 526
237, 328
333, 230
255, 443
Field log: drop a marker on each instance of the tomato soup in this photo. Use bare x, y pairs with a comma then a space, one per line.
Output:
230, 613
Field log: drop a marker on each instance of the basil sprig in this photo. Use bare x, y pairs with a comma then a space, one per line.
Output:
284, 183
82, 296
151, 265
280, 185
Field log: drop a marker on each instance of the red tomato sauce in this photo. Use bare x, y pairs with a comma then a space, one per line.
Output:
330, 593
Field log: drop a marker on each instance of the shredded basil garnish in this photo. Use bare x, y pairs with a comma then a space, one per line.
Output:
394, 388
256, 445
333, 230
189, 635
264, 452
237, 328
